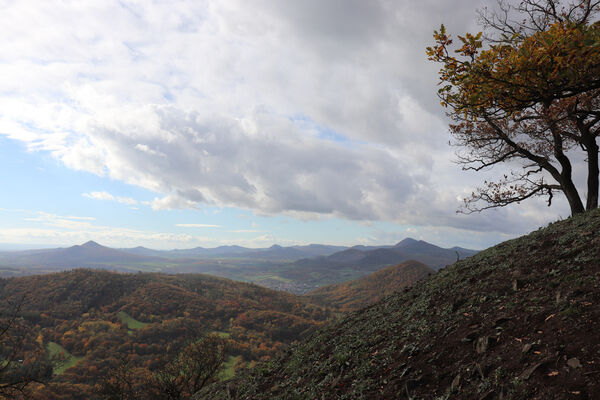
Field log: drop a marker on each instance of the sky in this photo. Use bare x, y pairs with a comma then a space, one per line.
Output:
176, 124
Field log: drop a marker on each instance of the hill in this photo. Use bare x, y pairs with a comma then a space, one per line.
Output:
296, 269
95, 318
358, 261
517, 321
274, 252
87, 254
365, 291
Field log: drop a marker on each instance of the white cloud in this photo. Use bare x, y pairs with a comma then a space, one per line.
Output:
197, 226
99, 196
110, 197
310, 109
171, 202
80, 218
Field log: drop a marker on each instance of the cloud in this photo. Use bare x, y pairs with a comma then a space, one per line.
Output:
110, 197
197, 226
172, 201
53, 229
80, 218
309, 109
99, 196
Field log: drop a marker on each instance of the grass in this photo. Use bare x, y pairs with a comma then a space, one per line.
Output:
228, 368
223, 335
259, 278
131, 322
56, 350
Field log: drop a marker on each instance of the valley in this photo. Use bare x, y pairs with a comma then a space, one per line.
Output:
90, 321
295, 269
93, 321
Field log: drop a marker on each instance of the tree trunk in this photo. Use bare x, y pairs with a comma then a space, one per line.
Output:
566, 178
570, 191
593, 172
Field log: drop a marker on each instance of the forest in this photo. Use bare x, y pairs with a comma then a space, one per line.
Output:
89, 324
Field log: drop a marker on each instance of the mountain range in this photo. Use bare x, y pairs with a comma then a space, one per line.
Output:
296, 269
275, 252
359, 261
369, 256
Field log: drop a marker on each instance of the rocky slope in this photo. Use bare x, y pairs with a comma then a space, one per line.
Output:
365, 291
520, 320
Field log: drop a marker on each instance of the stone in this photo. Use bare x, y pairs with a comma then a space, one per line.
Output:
455, 383
482, 345
527, 373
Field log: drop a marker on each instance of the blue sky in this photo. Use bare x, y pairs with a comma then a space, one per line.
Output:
182, 124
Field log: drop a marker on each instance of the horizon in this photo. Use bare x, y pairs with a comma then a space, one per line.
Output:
6, 247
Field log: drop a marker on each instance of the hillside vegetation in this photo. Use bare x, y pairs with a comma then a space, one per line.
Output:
365, 291
517, 321
94, 320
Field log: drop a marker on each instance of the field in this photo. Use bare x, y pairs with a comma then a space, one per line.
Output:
67, 359
131, 322
229, 367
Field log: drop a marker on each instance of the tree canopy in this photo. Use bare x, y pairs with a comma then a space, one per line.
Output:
526, 92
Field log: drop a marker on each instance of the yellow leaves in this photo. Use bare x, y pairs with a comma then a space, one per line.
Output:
520, 70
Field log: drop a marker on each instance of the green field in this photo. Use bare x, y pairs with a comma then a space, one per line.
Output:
224, 335
56, 350
228, 368
131, 322
275, 277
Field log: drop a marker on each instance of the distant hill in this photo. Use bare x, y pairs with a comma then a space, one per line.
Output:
92, 254
275, 252
87, 254
297, 269
517, 321
362, 292
99, 317
408, 249
359, 261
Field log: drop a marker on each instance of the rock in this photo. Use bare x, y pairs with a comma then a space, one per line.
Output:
479, 370
482, 345
527, 372
573, 363
526, 348
470, 337
455, 383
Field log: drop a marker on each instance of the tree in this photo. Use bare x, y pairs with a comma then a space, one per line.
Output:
526, 94
180, 377
198, 364
124, 382
22, 361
